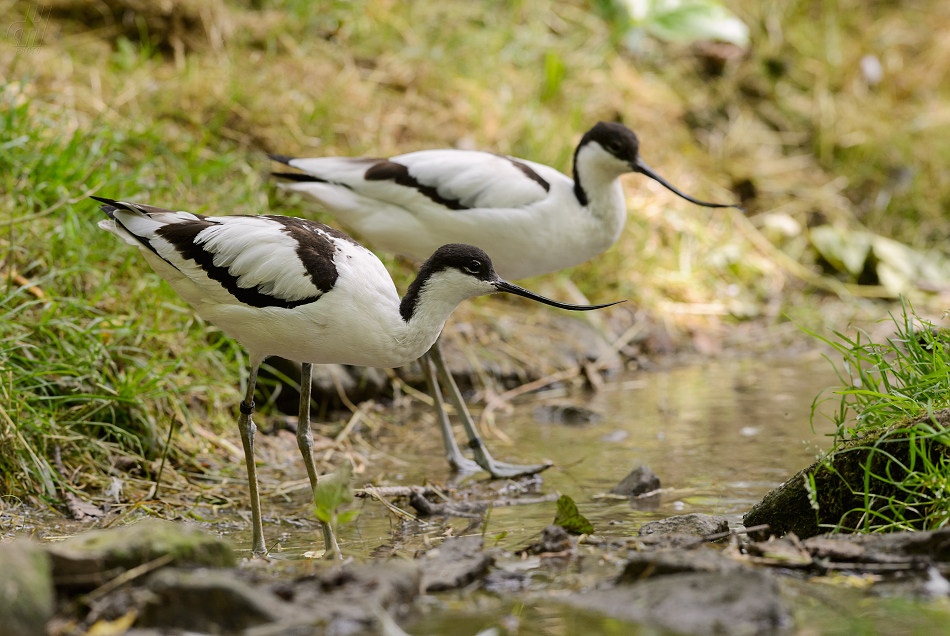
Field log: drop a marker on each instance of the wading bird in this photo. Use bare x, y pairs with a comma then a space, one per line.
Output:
306, 292
528, 217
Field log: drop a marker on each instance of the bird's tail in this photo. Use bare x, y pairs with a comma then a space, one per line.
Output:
293, 176
131, 222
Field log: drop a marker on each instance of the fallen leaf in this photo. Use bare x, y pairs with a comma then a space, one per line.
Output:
80, 509
570, 519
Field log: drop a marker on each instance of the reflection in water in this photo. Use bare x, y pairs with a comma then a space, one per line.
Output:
719, 436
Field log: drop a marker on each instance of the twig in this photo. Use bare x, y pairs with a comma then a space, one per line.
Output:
394, 491
129, 575
507, 396
340, 392
354, 420
735, 532
168, 443
56, 206
399, 512
20, 280
414, 393
618, 344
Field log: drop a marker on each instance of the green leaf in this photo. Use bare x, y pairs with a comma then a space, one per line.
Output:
687, 21
348, 516
333, 490
845, 250
570, 519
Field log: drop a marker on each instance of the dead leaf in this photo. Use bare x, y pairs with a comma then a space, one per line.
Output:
113, 628
80, 509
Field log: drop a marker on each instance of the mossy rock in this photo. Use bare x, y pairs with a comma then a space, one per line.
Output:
79, 559
26, 589
840, 482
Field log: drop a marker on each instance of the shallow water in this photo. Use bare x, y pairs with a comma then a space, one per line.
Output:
719, 436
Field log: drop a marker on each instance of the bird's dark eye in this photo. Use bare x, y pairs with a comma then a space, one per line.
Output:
474, 267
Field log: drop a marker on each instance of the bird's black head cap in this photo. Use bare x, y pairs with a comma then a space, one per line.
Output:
468, 259
615, 138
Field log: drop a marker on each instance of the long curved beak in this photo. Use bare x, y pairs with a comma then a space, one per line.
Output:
505, 286
644, 169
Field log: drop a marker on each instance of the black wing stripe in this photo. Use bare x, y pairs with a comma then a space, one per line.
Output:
531, 174
284, 159
314, 249
183, 235
387, 170
299, 176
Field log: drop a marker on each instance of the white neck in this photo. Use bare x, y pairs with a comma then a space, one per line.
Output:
598, 173
439, 296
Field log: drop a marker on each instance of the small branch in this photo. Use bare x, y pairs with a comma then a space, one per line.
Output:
168, 443
735, 532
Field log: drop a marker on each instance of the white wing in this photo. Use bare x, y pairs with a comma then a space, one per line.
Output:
260, 261
447, 179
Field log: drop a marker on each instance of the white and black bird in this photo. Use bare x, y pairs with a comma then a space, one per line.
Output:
530, 218
304, 291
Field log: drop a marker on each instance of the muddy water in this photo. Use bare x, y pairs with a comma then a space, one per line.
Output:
719, 436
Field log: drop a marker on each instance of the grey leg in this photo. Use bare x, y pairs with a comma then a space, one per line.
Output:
305, 444
482, 457
247, 428
452, 453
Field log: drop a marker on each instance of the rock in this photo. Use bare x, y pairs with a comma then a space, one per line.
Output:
694, 523
675, 541
830, 548
741, 603
640, 480
464, 509
88, 560
554, 539
839, 484
641, 565
342, 599
26, 589
208, 601
921, 547
457, 562
502, 582
568, 414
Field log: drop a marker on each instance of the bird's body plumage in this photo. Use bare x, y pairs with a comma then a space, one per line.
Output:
408, 204
281, 286
530, 218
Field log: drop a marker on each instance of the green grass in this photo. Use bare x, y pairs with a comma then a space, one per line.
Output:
95, 362
886, 418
